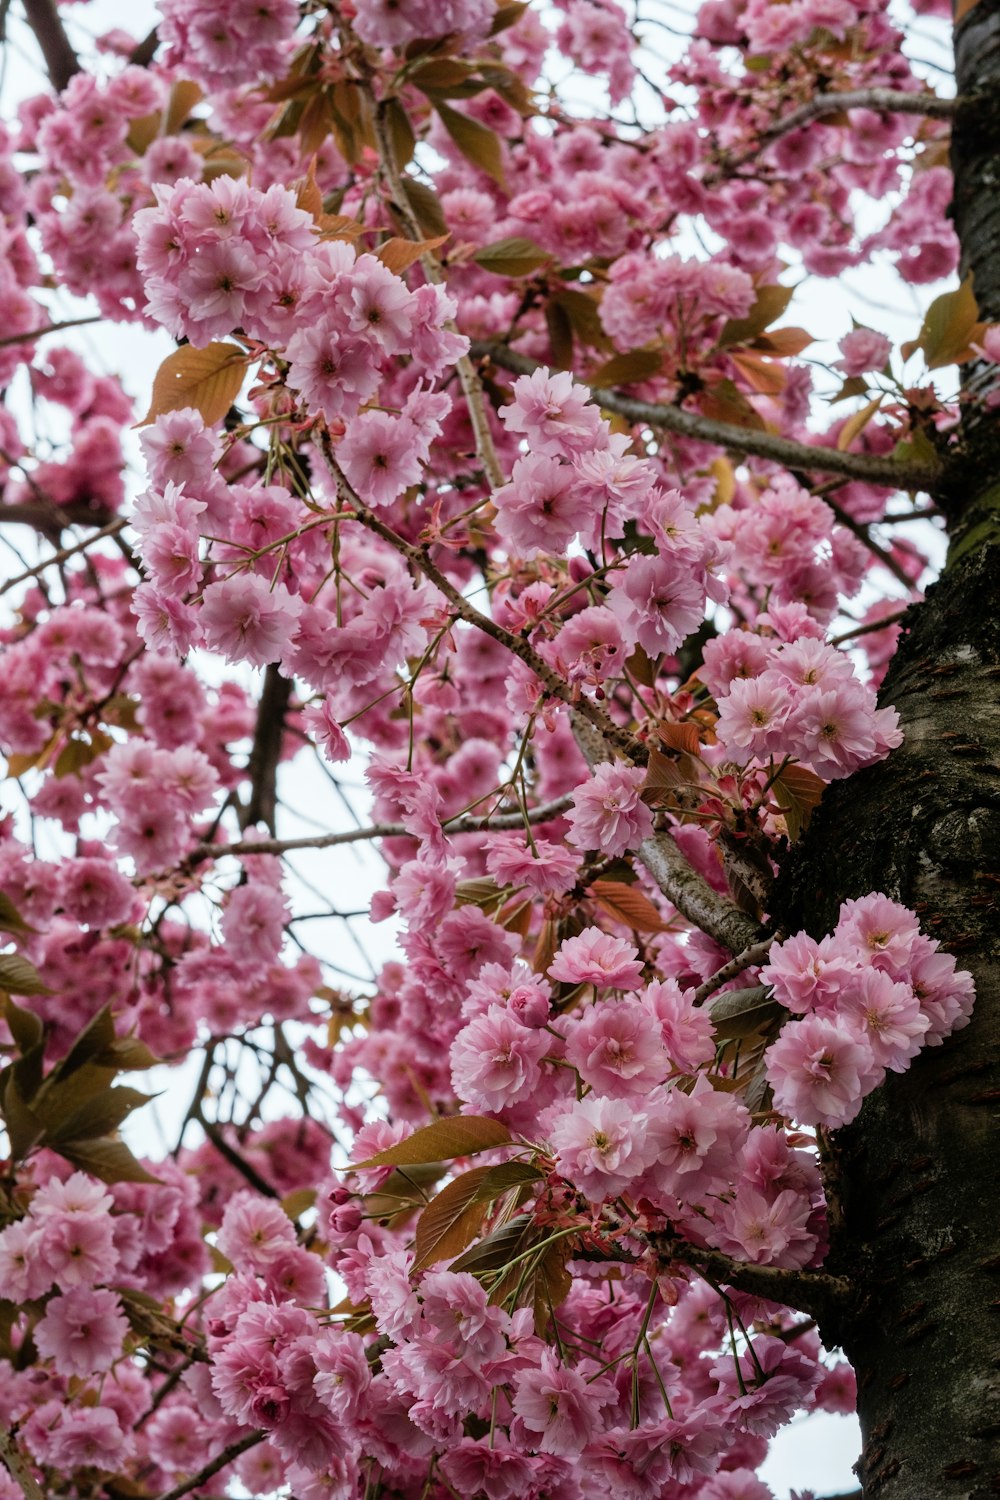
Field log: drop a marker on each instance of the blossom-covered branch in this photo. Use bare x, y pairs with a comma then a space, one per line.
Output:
801, 457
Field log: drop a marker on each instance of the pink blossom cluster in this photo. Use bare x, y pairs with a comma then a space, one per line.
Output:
797, 698
870, 995
221, 46
227, 256
382, 23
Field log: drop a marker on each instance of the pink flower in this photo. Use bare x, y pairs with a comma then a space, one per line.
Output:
254, 1232
770, 1228
246, 619
82, 1331
889, 1016
493, 1468
379, 456
834, 730
769, 1385
863, 349
599, 1145
693, 1139
659, 601
495, 1060
558, 1405
608, 813
90, 1437
806, 975
884, 931
95, 893
539, 510
554, 414
545, 868
752, 717
820, 1070
594, 957
946, 996
617, 1049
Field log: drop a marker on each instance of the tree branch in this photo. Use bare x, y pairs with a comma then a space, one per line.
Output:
679, 881
814, 1292
883, 101
749, 958
265, 754
111, 529
500, 821
225, 1457
61, 61
871, 467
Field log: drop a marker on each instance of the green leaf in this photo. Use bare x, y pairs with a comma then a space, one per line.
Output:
26, 1028
769, 305
477, 143
400, 133
514, 256
108, 1159
740, 1013
584, 315
19, 977
450, 1221
508, 15
461, 1135
948, 326
96, 1036
127, 1054
11, 919
99, 1116
797, 792
626, 369
24, 1128
425, 207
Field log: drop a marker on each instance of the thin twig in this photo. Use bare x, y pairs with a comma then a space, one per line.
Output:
61, 61
225, 1457
748, 959
112, 528
814, 1292
541, 814
675, 876
18, 1469
39, 333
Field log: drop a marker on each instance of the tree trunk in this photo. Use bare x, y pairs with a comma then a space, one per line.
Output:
915, 1180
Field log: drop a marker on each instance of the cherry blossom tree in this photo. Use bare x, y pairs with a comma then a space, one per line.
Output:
484, 461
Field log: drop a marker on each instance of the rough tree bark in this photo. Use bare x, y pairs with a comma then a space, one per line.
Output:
915, 1178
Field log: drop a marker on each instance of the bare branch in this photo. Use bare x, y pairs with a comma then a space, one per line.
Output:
748, 959
883, 101
265, 754
814, 1292
17, 1467
225, 1457
874, 468
39, 333
694, 898
541, 814
61, 61
111, 529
